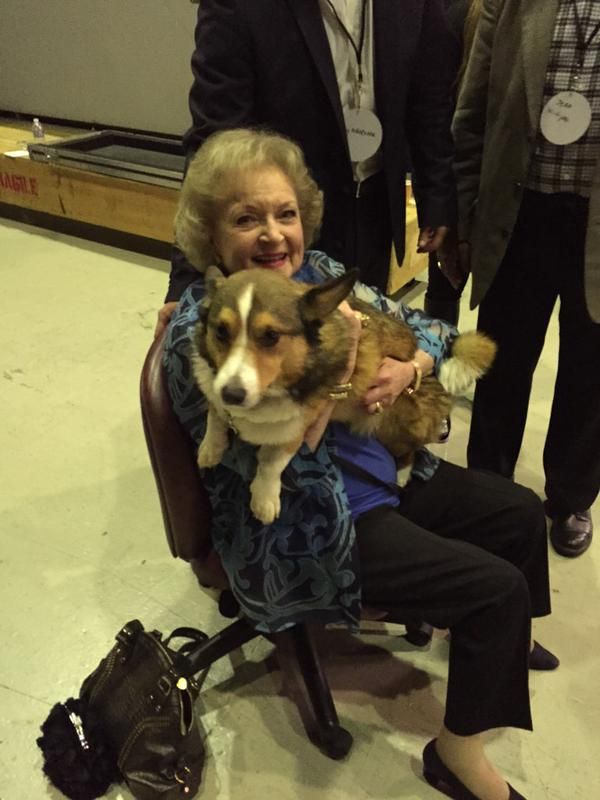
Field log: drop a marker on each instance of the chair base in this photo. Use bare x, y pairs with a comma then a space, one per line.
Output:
333, 740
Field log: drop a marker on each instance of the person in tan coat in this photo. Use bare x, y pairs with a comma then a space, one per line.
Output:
527, 135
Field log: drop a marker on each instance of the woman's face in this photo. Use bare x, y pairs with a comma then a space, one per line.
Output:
259, 224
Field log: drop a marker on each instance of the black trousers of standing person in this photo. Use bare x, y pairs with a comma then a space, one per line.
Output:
467, 551
365, 243
442, 300
544, 261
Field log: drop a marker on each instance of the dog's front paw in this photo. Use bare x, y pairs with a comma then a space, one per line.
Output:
264, 503
210, 453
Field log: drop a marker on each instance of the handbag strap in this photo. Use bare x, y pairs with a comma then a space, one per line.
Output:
355, 469
195, 639
187, 633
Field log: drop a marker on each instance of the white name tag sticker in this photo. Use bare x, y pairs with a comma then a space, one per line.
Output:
364, 132
565, 117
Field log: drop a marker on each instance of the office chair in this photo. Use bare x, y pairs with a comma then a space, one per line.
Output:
186, 516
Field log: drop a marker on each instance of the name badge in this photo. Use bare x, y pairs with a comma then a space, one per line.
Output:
565, 117
364, 132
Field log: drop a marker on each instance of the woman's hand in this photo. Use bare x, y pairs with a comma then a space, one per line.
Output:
392, 379
164, 315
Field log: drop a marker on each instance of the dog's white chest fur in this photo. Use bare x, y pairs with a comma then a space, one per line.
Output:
275, 420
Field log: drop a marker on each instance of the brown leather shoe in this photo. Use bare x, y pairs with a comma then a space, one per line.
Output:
571, 536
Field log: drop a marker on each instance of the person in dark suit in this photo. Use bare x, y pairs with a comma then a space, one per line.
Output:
293, 66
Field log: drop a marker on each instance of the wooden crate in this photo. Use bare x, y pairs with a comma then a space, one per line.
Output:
116, 203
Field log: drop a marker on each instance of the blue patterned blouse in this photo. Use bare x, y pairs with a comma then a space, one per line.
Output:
303, 567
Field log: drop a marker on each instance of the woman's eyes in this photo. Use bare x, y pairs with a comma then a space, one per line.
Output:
249, 220
245, 219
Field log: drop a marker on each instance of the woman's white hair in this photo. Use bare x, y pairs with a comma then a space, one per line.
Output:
223, 156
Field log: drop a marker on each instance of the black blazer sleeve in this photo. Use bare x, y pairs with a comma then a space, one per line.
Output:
457, 14
222, 95
428, 120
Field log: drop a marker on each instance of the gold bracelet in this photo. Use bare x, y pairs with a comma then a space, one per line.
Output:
340, 391
416, 381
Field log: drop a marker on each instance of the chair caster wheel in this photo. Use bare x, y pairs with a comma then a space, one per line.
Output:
335, 742
419, 635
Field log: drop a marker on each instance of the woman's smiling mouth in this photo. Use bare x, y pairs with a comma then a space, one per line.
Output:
271, 260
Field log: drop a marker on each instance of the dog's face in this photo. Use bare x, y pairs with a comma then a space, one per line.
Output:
258, 330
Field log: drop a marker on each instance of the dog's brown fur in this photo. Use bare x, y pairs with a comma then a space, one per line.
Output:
412, 420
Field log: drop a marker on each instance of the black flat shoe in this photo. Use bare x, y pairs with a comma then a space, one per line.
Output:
437, 774
572, 535
419, 635
542, 659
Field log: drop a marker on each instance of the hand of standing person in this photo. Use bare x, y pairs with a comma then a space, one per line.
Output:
454, 259
431, 239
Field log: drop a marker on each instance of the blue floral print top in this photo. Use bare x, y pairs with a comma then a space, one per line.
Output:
303, 567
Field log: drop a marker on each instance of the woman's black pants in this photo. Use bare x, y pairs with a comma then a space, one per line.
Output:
467, 551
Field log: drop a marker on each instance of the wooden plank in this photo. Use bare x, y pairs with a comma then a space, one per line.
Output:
16, 134
130, 206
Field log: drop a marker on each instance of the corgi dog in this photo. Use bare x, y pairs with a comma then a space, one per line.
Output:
268, 351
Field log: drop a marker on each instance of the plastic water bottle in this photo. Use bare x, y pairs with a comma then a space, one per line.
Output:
37, 129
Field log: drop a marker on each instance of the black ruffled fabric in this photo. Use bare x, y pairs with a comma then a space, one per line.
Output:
80, 774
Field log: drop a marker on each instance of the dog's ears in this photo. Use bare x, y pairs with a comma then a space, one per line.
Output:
321, 300
213, 278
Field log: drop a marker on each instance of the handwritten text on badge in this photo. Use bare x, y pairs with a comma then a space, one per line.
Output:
565, 118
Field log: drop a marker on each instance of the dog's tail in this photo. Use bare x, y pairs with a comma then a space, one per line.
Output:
472, 355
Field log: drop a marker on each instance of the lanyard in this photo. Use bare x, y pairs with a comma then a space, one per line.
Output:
357, 48
582, 42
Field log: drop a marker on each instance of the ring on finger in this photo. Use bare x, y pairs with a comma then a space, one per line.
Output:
378, 407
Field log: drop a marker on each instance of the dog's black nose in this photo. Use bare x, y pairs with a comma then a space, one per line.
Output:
233, 394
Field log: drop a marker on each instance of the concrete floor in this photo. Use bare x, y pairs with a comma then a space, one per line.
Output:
83, 550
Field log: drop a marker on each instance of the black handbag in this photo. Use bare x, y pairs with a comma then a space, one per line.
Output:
134, 721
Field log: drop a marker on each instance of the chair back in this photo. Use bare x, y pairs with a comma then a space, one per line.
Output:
183, 498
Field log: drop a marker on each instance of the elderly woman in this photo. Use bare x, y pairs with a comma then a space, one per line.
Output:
462, 549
